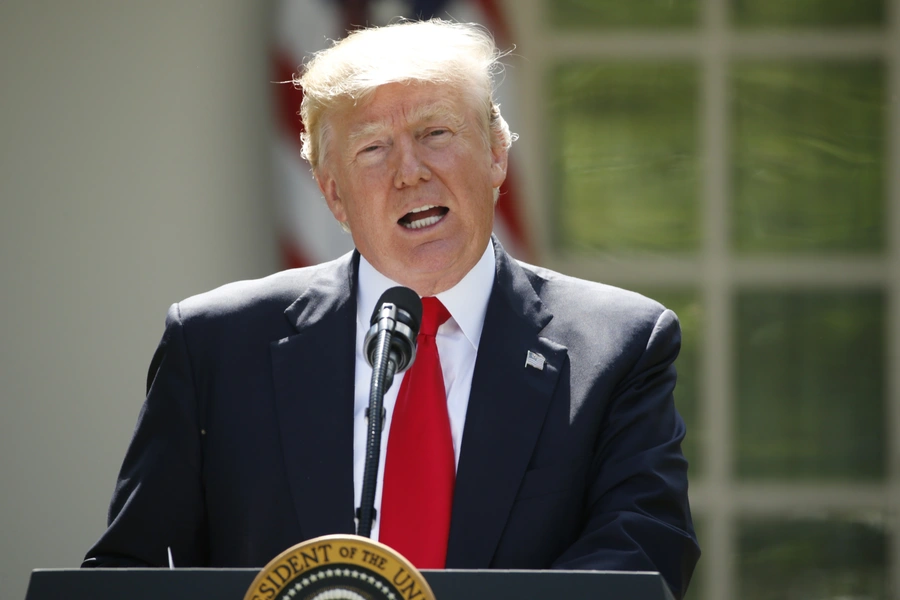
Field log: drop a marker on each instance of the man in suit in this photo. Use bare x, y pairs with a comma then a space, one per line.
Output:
559, 392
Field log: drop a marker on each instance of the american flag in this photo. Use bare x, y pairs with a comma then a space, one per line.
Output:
535, 360
308, 234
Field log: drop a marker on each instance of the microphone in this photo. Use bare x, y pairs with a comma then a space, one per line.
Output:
390, 347
398, 311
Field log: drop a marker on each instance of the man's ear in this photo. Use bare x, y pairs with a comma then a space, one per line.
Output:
329, 189
499, 162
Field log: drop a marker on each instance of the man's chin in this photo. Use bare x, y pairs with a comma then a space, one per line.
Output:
434, 269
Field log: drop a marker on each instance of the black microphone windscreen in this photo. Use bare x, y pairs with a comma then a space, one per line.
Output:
403, 298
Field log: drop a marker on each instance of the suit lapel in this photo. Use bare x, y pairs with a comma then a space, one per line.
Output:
507, 406
315, 403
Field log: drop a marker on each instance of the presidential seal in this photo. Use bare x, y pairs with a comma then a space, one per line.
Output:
339, 567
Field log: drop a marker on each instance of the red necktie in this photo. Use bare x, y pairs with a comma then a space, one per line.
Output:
420, 467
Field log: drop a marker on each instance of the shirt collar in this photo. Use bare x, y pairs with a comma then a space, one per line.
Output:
466, 301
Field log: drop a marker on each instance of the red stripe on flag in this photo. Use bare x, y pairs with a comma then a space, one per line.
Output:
495, 21
509, 205
291, 255
287, 100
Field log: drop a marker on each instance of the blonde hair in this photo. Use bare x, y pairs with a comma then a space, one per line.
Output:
434, 51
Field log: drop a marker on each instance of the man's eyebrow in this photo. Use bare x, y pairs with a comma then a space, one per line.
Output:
363, 131
436, 111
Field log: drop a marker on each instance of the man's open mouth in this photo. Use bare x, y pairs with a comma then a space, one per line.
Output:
423, 217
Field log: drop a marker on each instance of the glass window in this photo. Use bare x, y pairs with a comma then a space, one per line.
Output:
808, 160
822, 556
615, 14
684, 142
626, 154
815, 13
810, 385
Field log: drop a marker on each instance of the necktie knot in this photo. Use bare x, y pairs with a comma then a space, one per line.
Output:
434, 314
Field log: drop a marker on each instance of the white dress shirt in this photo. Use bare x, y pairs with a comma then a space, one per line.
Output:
457, 343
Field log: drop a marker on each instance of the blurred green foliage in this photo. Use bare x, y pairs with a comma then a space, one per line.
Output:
810, 385
807, 165
808, 157
828, 557
608, 14
808, 13
627, 152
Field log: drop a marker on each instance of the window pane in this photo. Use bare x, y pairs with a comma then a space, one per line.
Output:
809, 13
686, 304
609, 14
626, 157
813, 558
809, 158
810, 385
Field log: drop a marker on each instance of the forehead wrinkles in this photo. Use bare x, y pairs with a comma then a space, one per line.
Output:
437, 112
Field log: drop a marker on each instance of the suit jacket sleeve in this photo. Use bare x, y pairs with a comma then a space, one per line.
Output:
158, 500
638, 517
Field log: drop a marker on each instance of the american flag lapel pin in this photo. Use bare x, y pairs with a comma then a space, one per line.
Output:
534, 360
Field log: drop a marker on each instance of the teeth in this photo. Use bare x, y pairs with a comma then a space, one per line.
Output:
424, 208
423, 222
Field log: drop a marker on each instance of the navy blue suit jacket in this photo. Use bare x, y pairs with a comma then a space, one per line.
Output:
244, 445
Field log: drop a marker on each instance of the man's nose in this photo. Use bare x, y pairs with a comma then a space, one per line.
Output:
410, 169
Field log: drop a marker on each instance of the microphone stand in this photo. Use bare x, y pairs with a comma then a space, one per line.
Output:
383, 366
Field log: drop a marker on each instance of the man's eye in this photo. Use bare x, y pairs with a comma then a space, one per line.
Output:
438, 132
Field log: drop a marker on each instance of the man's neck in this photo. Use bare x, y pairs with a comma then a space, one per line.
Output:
466, 301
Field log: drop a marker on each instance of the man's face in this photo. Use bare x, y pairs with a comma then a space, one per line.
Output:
412, 175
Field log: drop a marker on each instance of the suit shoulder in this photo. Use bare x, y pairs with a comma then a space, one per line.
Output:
568, 295
276, 291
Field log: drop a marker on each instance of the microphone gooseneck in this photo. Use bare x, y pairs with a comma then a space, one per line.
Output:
389, 348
